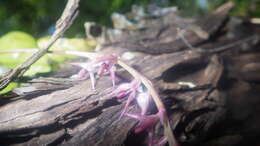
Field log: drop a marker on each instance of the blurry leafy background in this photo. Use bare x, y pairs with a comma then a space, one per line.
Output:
28, 24
37, 17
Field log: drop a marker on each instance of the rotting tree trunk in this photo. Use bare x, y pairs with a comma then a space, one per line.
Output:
62, 111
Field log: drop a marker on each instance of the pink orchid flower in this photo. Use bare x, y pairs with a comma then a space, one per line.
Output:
157, 142
146, 122
87, 68
104, 63
122, 90
127, 89
107, 64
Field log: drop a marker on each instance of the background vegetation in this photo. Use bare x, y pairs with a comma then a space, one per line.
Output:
37, 16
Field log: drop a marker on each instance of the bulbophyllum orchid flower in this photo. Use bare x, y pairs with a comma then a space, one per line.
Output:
156, 142
107, 64
127, 89
122, 90
101, 64
146, 122
87, 68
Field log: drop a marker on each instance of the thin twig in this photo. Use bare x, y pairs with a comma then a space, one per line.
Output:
69, 14
223, 48
90, 55
180, 34
217, 49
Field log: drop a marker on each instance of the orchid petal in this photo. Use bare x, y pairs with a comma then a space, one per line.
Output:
131, 97
155, 141
125, 89
161, 142
145, 122
90, 68
107, 64
82, 74
113, 75
143, 100
122, 90
101, 69
92, 79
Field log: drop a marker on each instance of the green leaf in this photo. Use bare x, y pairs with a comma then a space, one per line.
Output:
9, 87
75, 44
15, 40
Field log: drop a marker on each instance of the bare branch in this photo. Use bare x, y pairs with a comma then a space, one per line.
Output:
69, 14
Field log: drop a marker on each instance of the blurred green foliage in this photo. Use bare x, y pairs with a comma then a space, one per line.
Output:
16, 40
21, 40
9, 87
37, 17
246, 8
32, 16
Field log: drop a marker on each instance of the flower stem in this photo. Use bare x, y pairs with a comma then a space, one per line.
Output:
89, 55
148, 84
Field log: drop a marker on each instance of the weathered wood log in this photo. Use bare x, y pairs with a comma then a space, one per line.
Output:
64, 111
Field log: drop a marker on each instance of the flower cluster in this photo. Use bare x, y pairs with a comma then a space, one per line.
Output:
134, 90
106, 63
98, 66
